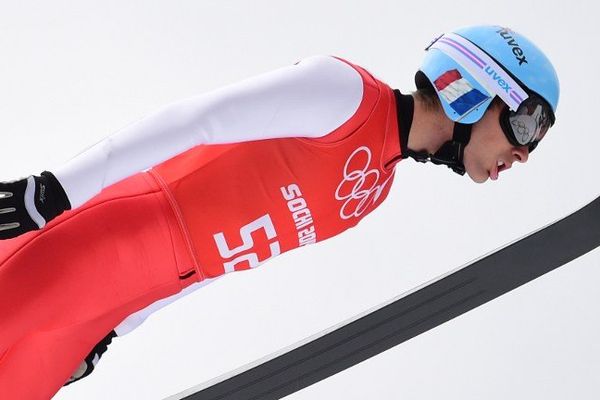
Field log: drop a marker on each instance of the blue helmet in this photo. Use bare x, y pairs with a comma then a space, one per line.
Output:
470, 66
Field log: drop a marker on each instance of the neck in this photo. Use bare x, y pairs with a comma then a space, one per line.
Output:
430, 127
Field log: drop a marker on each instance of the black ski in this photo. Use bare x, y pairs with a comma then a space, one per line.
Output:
411, 314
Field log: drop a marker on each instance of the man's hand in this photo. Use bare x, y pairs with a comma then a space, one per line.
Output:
29, 203
89, 363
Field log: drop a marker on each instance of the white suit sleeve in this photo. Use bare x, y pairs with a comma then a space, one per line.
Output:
307, 99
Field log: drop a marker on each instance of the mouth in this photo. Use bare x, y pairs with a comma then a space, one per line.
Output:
499, 167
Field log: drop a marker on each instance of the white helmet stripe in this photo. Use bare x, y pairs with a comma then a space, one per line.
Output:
482, 67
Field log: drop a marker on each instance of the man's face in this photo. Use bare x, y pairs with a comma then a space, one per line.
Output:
489, 152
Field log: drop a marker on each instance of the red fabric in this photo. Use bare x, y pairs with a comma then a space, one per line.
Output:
247, 202
62, 289
447, 79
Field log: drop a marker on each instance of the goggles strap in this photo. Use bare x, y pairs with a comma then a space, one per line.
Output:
493, 77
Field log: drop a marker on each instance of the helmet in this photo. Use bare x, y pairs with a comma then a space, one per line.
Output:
517, 56
470, 66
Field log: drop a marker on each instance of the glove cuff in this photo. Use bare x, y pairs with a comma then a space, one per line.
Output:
50, 197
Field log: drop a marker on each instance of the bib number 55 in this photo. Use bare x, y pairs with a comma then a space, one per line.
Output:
263, 223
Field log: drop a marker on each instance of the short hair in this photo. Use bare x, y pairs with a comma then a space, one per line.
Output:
428, 97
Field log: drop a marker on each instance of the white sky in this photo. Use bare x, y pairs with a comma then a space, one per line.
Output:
74, 72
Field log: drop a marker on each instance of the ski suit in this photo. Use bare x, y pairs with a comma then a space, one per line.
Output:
213, 184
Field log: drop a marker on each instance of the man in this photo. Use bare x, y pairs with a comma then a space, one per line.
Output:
236, 176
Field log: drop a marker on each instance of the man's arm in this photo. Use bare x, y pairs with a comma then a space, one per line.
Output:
308, 99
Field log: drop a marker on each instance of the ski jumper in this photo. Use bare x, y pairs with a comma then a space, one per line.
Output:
136, 241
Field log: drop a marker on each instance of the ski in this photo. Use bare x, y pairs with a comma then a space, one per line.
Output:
410, 314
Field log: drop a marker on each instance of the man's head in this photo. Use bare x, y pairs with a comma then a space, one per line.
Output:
499, 89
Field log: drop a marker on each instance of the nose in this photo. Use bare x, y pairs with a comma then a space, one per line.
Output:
521, 154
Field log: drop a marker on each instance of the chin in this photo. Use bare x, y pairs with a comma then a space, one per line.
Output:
476, 172
478, 178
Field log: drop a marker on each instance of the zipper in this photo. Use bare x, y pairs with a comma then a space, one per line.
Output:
181, 223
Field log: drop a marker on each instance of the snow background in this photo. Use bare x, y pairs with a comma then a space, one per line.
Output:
73, 72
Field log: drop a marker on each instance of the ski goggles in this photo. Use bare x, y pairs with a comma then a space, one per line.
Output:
529, 124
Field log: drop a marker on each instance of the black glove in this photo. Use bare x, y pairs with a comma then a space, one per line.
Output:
29, 203
87, 366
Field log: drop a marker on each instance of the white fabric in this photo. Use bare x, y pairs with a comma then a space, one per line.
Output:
308, 99
136, 319
30, 203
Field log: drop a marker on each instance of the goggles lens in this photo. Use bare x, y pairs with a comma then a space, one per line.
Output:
529, 124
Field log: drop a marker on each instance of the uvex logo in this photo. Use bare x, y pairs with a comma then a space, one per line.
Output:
498, 78
510, 40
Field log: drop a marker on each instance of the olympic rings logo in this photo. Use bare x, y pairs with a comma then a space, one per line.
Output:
522, 130
354, 190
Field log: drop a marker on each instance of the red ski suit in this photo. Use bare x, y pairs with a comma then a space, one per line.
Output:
210, 210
